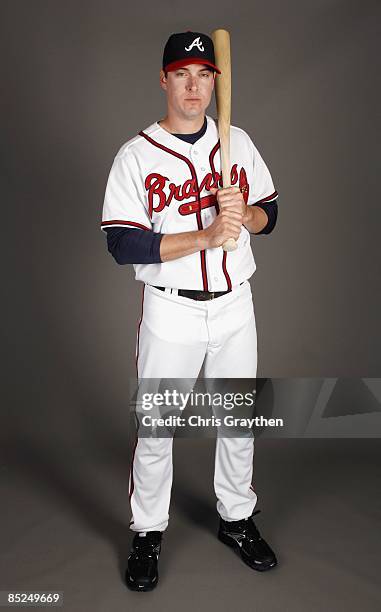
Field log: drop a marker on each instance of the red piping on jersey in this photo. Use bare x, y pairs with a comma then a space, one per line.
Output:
216, 176
138, 335
104, 223
229, 283
212, 167
198, 213
136, 441
132, 484
267, 198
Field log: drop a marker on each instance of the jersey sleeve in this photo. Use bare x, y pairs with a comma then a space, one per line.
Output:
262, 190
124, 204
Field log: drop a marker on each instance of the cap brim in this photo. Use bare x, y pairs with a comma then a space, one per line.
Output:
190, 60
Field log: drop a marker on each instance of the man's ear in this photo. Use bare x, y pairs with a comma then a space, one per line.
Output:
163, 80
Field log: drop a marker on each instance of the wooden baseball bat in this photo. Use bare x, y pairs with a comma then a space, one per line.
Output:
221, 42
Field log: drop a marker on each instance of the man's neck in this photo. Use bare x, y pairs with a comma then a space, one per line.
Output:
179, 126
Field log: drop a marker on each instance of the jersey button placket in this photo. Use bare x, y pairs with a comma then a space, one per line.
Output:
196, 166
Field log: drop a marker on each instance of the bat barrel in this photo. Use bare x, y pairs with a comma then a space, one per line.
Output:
221, 42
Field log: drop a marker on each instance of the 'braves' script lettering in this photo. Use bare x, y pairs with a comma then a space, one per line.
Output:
160, 194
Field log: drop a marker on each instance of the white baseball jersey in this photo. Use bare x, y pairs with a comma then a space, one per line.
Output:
161, 183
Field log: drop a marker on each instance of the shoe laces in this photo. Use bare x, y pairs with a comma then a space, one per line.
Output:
249, 528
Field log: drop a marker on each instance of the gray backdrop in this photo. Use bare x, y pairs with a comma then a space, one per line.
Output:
80, 78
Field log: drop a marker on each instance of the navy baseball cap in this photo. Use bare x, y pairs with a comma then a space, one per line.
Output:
188, 48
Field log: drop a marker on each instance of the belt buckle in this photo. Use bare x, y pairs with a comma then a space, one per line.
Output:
208, 295
204, 296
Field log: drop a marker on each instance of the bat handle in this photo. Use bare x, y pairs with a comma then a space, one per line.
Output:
229, 245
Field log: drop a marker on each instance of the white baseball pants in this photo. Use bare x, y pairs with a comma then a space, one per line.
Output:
175, 337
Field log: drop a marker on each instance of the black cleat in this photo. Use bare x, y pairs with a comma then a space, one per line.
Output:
245, 536
142, 573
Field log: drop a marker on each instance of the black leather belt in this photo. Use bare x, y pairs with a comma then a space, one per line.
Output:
194, 294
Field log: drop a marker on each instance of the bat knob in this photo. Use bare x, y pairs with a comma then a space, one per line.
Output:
229, 245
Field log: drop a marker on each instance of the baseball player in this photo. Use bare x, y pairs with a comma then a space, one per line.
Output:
165, 211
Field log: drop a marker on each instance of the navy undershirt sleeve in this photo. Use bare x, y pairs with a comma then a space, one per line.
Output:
133, 246
271, 209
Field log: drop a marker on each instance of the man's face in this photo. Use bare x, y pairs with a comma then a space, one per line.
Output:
188, 89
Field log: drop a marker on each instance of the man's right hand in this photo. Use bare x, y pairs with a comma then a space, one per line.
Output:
227, 224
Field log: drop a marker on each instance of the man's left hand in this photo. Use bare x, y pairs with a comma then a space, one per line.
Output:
231, 198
